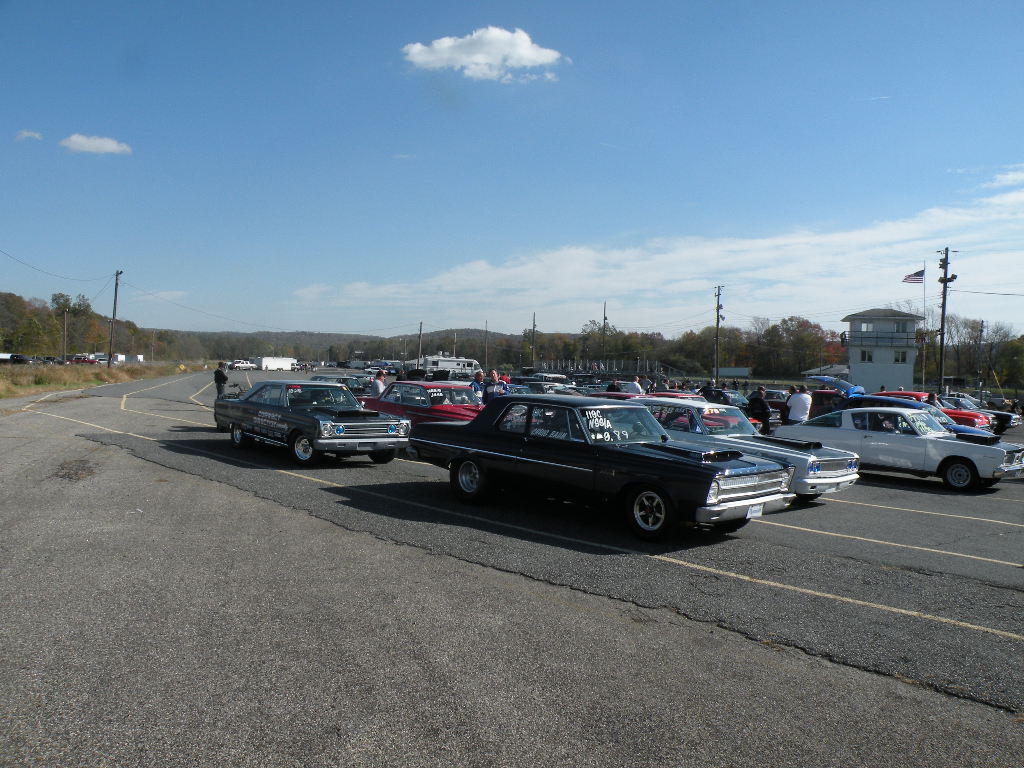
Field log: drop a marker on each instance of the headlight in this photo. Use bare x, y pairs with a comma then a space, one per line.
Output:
790, 471
852, 464
814, 467
404, 427
716, 489
326, 429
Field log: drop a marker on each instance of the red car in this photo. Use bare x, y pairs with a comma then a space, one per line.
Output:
421, 401
967, 418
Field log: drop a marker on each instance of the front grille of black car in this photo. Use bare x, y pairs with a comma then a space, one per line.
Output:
368, 430
738, 486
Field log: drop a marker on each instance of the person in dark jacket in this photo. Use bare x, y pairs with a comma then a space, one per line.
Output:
220, 377
760, 410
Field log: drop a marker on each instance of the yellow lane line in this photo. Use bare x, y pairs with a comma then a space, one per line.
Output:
625, 550
926, 512
886, 543
96, 426
680, 562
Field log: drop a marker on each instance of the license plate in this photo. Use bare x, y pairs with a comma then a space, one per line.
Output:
755, 510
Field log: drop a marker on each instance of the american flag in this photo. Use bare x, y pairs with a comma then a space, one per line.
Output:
915, 277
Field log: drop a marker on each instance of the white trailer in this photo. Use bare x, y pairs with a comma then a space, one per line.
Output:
275, 363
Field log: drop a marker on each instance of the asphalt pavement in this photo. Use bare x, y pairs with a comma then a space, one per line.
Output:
167, 599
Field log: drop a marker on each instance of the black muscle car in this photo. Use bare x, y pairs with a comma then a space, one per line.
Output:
310, 418
609, 449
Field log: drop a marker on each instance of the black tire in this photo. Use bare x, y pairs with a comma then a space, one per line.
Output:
383, 457
469, 482
238, 438
988, 482
302, 450
959, 474
649, 512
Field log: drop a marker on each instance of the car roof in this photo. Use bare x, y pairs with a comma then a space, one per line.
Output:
304, 382
895, 402
878, 409
572, 401
434, 384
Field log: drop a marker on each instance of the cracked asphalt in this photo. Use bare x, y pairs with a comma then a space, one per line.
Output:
166, 599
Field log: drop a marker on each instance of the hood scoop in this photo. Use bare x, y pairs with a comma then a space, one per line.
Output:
978, 439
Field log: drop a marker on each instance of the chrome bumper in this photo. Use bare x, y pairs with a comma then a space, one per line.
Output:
812, 485
360, 445
737, 510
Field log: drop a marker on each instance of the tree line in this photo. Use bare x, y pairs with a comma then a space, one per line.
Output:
772, 350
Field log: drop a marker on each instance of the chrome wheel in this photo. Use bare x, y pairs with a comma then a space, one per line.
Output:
960, 475
469, 482
302, 449
469, 477
649, 512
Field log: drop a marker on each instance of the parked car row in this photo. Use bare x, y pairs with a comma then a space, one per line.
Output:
667, 459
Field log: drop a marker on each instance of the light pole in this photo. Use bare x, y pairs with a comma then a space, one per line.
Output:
946, 279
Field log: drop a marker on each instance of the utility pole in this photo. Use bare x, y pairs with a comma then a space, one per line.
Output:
64, 359
604, 328
419, 354
533, 343
981, 368
946, 279
718, 325
486, 364
113, 319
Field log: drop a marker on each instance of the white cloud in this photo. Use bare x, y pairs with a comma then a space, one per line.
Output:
491, 53
668, 284
22, 135
1011, 178
99, 145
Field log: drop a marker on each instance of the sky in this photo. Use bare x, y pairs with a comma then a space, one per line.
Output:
360, 167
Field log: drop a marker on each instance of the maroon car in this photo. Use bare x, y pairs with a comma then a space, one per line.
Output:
421, 401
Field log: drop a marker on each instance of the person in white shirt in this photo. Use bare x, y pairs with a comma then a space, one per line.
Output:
377, 386
633, 386
799, 405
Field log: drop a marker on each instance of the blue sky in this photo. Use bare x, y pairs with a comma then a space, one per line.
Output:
362, 167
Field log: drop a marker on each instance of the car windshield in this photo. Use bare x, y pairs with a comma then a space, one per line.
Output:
937, 414
735, 398
622, 425
453, 396
306, 395
924, 423
727, 420
717, 420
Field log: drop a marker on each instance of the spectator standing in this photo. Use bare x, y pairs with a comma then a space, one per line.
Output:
377, 386
760, 410
646, 384
799, 405
220, 377
614, 386
478, 383
495, 387
633, 386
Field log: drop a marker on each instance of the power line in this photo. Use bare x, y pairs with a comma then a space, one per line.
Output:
54, 274
985, 293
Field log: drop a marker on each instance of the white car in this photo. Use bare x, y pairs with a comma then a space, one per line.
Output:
817, 469
241, 365
906, 440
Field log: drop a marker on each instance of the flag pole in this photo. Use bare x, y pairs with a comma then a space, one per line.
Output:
924, 314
